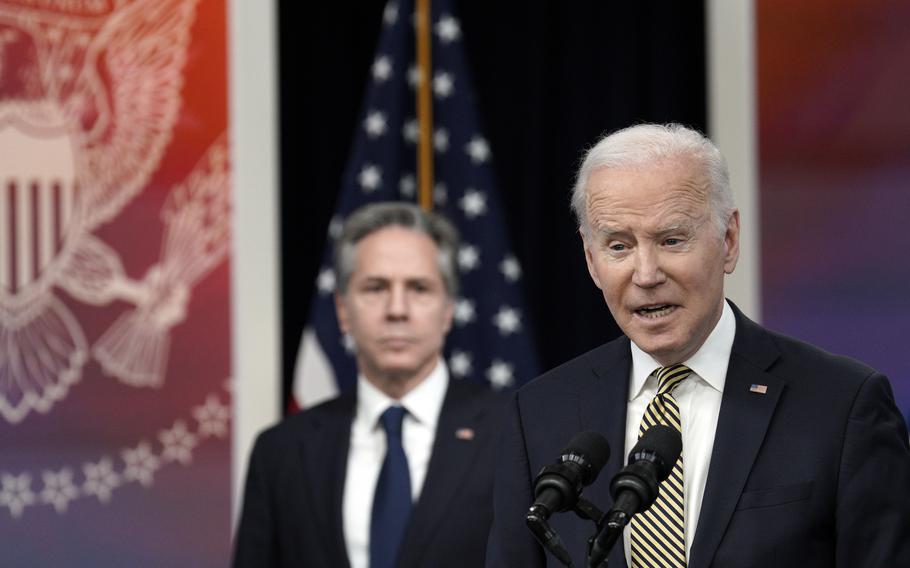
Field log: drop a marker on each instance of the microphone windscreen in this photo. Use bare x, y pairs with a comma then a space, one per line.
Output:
661, 442
594, 448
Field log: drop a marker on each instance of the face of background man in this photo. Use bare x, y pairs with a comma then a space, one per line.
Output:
656, 255
396, 308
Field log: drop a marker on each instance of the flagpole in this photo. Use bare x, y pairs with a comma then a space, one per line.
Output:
424, 108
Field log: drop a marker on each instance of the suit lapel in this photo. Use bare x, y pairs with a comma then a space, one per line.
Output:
324, 452
449, 463
741, 426
602, 408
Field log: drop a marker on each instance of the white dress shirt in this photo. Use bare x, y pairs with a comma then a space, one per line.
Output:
699, 398
368, 448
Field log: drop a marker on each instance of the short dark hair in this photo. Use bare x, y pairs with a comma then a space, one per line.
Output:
375, 216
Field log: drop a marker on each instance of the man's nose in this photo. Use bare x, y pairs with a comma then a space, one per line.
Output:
648, 272
397, 307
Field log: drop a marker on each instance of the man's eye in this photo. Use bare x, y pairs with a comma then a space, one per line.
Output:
672, 241
617, 247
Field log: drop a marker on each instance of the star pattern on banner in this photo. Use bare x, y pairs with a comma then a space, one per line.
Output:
59, 489
101, 478
510, 268
500, 374
16, 493
213, 418
141, 464
468, 258
382, 69
178, 443
325, 281
460, 364
370, 178
443, 85
447, 29
507, 320
464, 312
474, 203
441, 140
490, 340
375, 124
478, 149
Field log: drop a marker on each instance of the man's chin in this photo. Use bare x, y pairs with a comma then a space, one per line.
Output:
664, 351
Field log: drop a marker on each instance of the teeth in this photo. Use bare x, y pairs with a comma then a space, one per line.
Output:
655, 312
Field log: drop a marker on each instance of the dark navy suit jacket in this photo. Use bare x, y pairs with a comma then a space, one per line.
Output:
813, 473
293, 498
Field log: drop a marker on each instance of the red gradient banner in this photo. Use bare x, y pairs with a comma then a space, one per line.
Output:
834, 165
115, 185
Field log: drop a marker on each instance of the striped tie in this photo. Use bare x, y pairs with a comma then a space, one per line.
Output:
658, 535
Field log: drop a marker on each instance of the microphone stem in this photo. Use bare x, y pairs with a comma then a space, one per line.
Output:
601, 545
547, 537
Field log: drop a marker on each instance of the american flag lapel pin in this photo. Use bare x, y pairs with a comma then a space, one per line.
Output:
466, 434
760, 389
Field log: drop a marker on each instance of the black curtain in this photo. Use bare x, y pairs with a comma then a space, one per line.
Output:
550, 78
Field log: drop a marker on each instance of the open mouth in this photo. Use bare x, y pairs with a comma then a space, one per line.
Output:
657, 311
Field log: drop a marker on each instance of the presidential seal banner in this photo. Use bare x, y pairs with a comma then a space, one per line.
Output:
115, 184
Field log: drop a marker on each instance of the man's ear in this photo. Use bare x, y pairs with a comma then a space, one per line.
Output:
731, 243
342, 312
449, 315
588, 257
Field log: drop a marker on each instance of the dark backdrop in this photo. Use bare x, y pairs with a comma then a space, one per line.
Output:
550, 78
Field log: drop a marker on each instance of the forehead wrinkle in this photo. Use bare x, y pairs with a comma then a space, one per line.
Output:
676, 173
680, 210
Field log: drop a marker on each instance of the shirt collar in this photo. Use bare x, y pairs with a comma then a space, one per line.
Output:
709, 362
423, 402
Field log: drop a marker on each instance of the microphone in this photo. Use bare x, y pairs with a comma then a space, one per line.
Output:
558, 486
636, 486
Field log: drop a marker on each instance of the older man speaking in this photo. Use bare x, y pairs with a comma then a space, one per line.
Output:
791, 456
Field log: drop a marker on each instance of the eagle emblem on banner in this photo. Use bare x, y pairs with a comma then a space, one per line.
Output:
87, 109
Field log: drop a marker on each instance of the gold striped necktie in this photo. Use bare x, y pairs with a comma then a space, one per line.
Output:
658, 535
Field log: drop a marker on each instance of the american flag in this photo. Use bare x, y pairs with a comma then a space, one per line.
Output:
491, 337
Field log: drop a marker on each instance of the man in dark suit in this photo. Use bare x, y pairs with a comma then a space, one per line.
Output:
791, 456
397, 473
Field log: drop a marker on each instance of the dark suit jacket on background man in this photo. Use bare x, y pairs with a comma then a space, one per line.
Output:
292, 507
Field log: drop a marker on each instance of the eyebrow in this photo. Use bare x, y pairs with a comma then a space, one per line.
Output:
375, 279
686, 226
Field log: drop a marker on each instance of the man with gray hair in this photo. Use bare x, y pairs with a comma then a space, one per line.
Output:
791, 456
397, 473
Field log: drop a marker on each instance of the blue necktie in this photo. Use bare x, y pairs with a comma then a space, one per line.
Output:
392, 499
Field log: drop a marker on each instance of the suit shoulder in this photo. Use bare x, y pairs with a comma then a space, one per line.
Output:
798, 353
295, 426
810, 369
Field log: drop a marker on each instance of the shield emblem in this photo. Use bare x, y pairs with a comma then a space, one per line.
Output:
39, 205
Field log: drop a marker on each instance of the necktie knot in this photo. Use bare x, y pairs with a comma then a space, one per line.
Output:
668, 378
391, 421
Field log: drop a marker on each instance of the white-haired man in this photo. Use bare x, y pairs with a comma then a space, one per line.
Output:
790, 456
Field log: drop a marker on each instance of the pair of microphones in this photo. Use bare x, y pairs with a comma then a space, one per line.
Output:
559, 486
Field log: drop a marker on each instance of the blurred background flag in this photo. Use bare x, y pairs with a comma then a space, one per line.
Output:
491, 339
